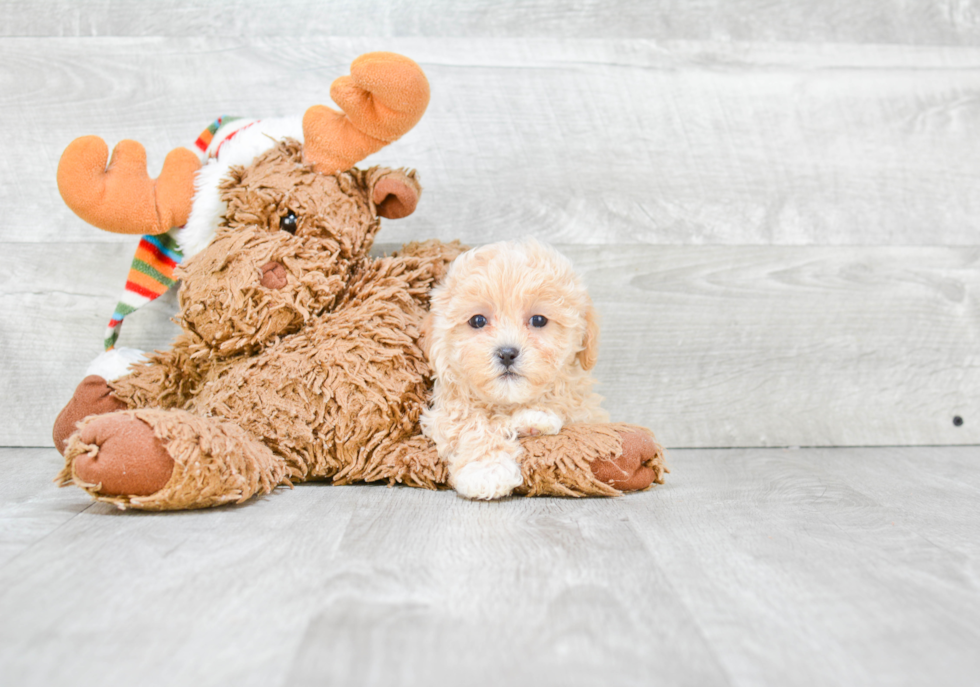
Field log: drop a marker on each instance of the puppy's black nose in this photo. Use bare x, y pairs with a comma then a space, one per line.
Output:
508, 355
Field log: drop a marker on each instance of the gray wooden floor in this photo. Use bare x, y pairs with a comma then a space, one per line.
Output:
749, 567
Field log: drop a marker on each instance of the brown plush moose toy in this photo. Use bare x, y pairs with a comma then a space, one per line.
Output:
299, 357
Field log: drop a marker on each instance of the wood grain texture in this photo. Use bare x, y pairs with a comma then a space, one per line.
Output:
709, 346
784, 346
748, 567
948, 22
574, 141
832, 566
30, 507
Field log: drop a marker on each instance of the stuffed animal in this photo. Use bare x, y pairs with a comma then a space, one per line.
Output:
299, 357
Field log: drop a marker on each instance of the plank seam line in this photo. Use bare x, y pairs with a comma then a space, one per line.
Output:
48, 534
695, 621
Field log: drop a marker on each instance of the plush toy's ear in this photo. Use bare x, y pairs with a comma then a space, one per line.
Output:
395, 192
590, 341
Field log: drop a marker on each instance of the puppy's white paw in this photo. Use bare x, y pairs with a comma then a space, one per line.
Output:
530, 423
491, 478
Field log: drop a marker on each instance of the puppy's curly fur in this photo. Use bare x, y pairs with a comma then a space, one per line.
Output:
511, 338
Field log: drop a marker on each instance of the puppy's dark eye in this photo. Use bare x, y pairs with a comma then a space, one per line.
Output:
478, 322
288, 223
538, 321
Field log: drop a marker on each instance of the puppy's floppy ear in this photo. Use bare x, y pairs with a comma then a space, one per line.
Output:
425, 336
590, 341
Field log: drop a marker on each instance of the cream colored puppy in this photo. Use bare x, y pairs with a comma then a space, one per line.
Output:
511, 337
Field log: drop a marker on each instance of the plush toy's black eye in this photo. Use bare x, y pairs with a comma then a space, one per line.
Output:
538, 321
478, 322
288, 223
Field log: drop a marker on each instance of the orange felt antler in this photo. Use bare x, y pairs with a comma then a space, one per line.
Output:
384, 96
123, 198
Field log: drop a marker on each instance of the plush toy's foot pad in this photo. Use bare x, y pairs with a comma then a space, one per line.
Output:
637, 467
92, 397
123, 456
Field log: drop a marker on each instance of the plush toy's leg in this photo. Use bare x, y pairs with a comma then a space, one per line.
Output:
154, 459
92, 397
412, 462
581, 460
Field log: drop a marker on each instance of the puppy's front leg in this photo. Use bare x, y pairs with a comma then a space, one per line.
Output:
486, 465
529, 422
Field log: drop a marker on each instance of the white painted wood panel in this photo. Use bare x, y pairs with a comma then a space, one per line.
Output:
574, 141
709, 346
946, 22
791, 346
748, 567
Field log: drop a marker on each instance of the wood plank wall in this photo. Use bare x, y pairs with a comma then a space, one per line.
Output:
775, 206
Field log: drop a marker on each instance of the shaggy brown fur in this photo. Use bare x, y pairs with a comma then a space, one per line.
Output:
300, 357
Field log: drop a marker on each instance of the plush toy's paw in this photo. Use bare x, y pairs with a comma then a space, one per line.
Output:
532, 423
92, 397
493, 477
638, 466
121, 453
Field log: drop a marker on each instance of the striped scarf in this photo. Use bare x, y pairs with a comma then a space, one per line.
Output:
152, 272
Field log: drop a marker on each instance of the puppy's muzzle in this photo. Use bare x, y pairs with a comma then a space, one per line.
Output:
507, 355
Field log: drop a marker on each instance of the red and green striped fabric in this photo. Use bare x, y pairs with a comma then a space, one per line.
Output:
150, 276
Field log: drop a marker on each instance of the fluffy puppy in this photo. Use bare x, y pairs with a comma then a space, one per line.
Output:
511, 336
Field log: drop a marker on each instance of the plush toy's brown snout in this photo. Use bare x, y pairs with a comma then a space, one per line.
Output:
273, 275
252, 285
